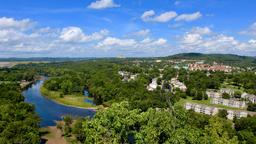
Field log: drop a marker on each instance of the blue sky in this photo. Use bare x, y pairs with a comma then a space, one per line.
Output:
110, 28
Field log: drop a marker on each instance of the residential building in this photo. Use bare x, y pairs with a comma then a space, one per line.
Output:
228, 91
153, 85
238, 114
229, 102
127, 76
213, 94
249, 97
175, 83
199, 108
207, 67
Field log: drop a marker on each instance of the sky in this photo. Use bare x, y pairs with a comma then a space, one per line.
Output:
129, 28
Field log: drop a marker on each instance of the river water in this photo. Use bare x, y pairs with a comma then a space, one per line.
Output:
48, 110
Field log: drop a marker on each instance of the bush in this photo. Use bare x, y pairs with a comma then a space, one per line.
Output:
225, 96
59, 125
222, 113
237, 94
61, 95
251, 107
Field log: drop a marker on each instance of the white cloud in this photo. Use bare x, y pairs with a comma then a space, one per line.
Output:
111, 41
150, 42
189, 17
251, 30
75, 34
102, 4
191, 39
132, 45
149, 16
202, 39
142, 33
201, 30
252, 41
11, 23
160, 42
165, 17
195, 35
30, 40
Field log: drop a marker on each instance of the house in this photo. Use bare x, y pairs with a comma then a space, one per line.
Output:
133, 77
175, 83
153, 85
249, 97
127, 76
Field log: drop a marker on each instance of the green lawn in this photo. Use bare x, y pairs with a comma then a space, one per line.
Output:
204, 102
76, 100
228, 85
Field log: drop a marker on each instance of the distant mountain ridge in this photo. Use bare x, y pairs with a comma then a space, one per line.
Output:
41, 59
229, 59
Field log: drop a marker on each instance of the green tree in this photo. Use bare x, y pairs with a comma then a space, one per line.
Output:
225, 96
66, 86
222, 113
217, 132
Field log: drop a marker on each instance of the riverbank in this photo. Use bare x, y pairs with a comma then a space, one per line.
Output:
76, 101
52, 135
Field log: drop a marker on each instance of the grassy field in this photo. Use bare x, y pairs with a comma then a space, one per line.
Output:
204, 102
13, 63
76, 100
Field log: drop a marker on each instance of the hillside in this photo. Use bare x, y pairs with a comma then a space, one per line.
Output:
228, 59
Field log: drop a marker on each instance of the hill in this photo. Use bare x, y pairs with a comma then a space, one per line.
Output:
228, 59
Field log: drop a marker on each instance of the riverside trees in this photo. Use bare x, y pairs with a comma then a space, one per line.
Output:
18, 122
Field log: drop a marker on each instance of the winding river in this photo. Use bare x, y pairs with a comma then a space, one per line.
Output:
48, 110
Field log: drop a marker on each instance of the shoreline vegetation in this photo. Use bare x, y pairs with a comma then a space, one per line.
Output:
71, 100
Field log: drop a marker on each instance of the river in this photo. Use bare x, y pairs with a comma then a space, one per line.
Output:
48, 110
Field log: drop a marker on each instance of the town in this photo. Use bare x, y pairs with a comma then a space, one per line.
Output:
232, 100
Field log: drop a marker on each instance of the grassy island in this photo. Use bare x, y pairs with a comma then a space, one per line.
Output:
75, 100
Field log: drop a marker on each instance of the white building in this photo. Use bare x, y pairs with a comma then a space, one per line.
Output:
229, 103
249, 97
199, 108
127, 76
228, 91
212, 94
238, 114
175, 83
153, 85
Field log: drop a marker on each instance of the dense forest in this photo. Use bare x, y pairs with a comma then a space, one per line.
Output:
131, 113
18, 121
